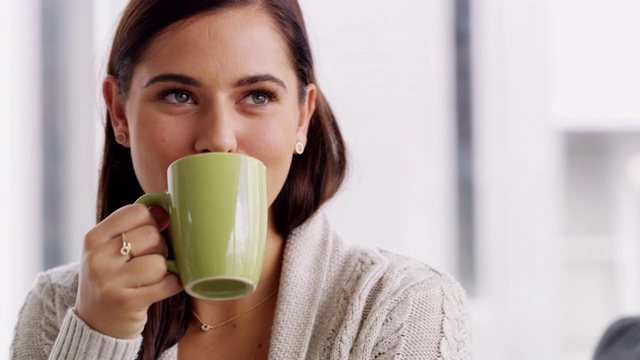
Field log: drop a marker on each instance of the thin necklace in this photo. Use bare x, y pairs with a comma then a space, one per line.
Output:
207, 327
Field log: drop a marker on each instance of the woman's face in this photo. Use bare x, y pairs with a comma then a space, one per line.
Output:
220, 82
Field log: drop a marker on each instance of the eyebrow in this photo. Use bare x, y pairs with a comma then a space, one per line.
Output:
254, 79
188, 80
179, 78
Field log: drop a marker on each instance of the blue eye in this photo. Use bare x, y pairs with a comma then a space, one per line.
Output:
259, 98
178, 97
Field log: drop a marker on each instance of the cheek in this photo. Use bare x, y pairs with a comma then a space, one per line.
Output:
276, 176
148, 165
153, 149
272, 148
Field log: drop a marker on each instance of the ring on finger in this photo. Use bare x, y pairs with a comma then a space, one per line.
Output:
126, 245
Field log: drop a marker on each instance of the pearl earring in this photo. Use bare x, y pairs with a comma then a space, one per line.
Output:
299, 148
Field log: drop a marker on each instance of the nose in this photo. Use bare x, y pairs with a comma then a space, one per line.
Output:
216, 132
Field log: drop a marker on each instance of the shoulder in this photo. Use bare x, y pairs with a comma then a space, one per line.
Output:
402, 275
620, 341
431, 293
366, 302
405, 296
409, 270
59, 282
364, 268
44, 311
55, 291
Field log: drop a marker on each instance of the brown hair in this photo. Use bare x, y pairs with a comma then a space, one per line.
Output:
314, 177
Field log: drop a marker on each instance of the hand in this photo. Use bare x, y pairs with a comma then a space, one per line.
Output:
115, 290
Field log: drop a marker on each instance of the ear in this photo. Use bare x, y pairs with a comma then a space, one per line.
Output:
115, 106
307, 108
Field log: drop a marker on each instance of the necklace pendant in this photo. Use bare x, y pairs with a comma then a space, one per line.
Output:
206, 327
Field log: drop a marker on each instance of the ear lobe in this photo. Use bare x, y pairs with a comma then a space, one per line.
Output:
115, 106
307, 109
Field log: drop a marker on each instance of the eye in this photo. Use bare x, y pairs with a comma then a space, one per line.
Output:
178, 97
259, 98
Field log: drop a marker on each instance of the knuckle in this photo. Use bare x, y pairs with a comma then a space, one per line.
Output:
139, 208
134, 213
141, 212
158, 264
149, 232
91, 238
93, 264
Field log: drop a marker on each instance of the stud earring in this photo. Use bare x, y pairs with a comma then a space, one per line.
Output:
121, 137
299, 148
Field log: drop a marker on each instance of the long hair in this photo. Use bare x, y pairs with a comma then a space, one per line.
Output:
314, 177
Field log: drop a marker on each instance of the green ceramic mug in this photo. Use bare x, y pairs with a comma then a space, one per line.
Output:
217, 205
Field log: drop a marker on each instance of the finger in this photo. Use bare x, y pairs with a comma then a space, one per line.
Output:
146, 240
168, 286
121, 221
123, 248
106, 258
144, 271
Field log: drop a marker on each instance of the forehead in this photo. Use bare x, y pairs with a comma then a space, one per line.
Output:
237, 39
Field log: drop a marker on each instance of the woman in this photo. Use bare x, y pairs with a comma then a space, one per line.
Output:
188, 77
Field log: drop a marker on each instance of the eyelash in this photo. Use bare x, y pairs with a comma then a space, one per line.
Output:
271, 95
171, 91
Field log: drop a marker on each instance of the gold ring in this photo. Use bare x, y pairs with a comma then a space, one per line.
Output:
126, 246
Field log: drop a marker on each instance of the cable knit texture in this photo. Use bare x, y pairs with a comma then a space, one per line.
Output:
336, 301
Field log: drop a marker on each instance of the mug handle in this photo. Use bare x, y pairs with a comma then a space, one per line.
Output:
159, 199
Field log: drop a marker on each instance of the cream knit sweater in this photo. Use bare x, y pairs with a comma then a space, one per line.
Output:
336, 301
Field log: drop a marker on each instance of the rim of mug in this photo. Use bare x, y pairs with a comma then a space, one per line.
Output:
250, 285
215, 154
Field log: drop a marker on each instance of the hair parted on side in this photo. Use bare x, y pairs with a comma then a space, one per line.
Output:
314, 177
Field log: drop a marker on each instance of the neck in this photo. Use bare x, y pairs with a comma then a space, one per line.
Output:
215, 312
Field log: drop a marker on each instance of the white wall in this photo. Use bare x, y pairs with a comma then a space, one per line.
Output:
387, 72
595, 103
20, 218
550, 74
595, 66
517, 199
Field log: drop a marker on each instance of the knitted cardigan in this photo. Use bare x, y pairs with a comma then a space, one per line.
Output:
336, 301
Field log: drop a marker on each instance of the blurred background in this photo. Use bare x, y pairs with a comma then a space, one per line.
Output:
498, 140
